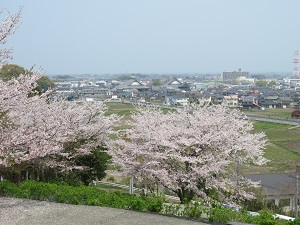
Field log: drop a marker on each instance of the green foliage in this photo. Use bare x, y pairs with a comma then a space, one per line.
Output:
261, 83
10, 71
225, 215
294, 222
254, 205
194, 209
63, 77
8, 189
69, 180
173, 209
83, 195
111, 179
137, 204
97, 163
271, 83
79, 195
155, 202
93, 165
156, 83
44, 83
265, 218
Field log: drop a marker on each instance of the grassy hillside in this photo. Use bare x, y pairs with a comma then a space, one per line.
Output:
283, 149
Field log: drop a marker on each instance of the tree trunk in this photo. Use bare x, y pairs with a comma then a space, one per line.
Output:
185, 195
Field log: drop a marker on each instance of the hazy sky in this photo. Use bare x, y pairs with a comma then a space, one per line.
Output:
156, 36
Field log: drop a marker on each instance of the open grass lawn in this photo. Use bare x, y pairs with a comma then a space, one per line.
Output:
120, 109
272, 112
283, 149
124, 110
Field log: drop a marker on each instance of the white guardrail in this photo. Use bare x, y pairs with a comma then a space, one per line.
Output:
133, 188
177, 199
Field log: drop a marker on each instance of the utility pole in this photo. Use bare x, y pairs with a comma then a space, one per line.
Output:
296, 198
297, 191
131, 186
238, 172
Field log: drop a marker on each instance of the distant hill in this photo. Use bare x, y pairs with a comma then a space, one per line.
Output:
63, 77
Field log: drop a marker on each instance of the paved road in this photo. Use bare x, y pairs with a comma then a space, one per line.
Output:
21, 211
288, 121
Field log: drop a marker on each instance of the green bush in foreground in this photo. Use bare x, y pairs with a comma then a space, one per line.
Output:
218, 214
83, 195
79, 195
225, 215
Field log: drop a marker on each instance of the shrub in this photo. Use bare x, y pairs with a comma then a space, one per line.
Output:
79, 195
265, 218
83, 195
293, 222
155, 202
225, 215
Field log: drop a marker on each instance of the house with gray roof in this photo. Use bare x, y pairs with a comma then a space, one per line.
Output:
286, 101
270, 104
276, 186
249, 102
131, 84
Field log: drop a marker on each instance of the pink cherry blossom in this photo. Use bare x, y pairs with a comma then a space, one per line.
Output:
181, 150
38, 127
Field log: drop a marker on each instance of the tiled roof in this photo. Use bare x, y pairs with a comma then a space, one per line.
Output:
275, 184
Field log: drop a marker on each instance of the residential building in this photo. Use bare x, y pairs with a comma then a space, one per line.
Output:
177, 100
233, 75
231, 101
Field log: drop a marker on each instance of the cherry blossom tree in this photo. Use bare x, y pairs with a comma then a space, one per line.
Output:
7, 28
38, 127
191, 151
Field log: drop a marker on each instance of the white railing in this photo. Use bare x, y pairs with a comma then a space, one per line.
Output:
133, 189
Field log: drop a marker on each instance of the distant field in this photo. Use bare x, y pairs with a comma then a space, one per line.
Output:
283, 149
121, 109
271, 112
284, 142
124, 110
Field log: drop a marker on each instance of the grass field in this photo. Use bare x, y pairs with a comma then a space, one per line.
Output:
120, 109
283, 149
286, 113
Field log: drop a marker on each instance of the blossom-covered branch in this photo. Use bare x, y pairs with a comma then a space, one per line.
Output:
190, 151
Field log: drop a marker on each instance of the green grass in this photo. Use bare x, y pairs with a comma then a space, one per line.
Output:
282, 150
286, 113
120, 109
263, 126
80, 195
124, 110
